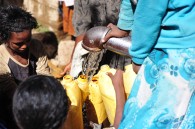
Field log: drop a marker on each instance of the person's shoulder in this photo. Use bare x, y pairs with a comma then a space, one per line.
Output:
2, 47
3, 52
4, 57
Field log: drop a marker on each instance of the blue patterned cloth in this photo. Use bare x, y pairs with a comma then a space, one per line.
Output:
163, 94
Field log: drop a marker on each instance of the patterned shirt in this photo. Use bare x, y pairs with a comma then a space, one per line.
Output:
90, 13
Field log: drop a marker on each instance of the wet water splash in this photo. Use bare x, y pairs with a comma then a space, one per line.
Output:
91, 63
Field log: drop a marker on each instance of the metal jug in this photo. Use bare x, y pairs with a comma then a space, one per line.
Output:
93, 36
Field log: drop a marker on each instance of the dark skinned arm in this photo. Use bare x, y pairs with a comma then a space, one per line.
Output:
117, 80
68, 65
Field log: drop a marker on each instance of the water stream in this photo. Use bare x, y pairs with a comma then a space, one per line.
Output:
91, 63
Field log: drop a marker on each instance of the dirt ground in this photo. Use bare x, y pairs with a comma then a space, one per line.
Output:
67, 47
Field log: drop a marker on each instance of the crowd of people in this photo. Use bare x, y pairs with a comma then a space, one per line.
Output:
162, 56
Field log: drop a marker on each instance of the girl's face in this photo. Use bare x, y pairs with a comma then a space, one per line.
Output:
19, 41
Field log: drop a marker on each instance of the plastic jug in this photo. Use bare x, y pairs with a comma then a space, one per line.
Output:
107, 91
128, 79
96, 99
75, 109
93, 36
72, 90
82, 83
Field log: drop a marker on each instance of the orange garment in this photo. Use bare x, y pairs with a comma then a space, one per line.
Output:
67, 19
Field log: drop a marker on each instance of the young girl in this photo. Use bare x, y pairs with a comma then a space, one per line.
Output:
19, 56
163, 39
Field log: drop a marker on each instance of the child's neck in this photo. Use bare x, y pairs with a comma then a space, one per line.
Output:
20, 57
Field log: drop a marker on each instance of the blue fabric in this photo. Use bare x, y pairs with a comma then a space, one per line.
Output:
159, 24
163, 94
125, 20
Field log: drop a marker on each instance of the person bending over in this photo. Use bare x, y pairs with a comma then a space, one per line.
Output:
19, 56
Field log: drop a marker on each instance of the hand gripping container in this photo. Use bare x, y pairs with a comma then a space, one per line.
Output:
93, 36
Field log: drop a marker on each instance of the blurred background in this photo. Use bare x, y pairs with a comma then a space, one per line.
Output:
47, 12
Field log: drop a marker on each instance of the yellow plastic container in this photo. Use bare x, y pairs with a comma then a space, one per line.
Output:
72, 90
107, 91
75, 109
96, 100
103, 69
128, 79
83, 84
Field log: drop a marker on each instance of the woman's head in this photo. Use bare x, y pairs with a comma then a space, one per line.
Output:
14, 23
40, 102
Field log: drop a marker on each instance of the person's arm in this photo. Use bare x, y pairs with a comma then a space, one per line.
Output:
126, 18
7, 82
146, 27
4, 59
124, 24
114, 32
117, 80
81, 23
68, 65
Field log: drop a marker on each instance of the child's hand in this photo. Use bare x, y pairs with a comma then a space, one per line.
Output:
117, 81
114, 32
66, 69
136, 67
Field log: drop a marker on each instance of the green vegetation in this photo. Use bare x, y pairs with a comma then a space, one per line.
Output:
42, 28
